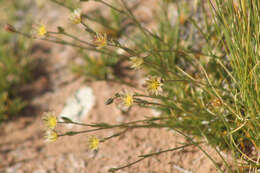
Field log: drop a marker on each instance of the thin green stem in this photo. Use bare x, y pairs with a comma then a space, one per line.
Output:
126, 166
143, 29
111, 6
62, 4
190, 139
114, 135
149, 155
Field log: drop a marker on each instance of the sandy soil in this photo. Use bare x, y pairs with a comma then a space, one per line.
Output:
22, 147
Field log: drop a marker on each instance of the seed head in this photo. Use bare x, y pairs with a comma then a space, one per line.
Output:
136, 62
75, 16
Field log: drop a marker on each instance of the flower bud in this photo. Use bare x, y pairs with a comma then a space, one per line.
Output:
9, 28
109, 101
60, 29
66, 120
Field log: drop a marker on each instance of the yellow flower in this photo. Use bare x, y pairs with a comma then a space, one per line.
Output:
51, 136
100, 40
93, 143
154, 85
136, 62
41, 30
128, 99
75, 16
50, 120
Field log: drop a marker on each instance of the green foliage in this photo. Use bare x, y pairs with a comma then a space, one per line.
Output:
98, 68
207, 64
14, 72
15, 69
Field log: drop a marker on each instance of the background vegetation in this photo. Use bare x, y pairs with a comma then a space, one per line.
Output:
206, 58
15, 63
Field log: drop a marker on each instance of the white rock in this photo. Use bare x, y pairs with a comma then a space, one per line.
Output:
79, 105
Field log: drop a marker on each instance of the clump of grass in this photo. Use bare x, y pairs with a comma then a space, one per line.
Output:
14, 72
202, 69
237, 28
15, 67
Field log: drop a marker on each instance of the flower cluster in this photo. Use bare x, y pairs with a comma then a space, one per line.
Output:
136, 62
127, 99
50, 122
